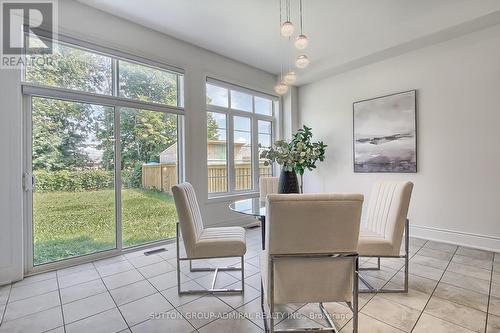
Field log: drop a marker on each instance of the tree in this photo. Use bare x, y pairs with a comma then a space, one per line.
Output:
212, 132
64, 133
60, 128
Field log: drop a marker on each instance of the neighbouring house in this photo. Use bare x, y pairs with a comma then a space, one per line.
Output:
216, 153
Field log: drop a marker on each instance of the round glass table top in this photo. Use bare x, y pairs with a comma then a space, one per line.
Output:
254, 206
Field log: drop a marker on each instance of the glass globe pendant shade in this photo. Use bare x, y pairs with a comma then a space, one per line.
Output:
302, 61
287, 29
281, 88
290, 77
301, 42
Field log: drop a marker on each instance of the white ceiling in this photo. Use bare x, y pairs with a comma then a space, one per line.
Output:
343, 34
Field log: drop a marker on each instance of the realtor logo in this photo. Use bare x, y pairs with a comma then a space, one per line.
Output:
28, 28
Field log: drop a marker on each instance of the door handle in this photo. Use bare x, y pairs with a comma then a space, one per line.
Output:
28, 181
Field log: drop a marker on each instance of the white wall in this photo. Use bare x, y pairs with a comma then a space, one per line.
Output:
457, 189
80, 21
11, 226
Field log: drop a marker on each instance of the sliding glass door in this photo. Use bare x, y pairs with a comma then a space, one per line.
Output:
74, 189
77, 206
149, 169
102, 151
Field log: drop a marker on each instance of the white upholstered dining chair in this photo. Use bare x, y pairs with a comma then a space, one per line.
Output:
268, 185
205, 243
386, 223
310, 254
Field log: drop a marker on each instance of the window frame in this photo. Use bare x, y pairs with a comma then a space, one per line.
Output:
30, 90
254, 118
115, 56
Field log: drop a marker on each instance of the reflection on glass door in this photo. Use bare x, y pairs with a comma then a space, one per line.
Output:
73, 165
242, 153
149, 168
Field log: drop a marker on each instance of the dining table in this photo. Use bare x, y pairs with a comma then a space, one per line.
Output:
255, 207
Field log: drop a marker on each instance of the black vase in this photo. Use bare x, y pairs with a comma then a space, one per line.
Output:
288, 182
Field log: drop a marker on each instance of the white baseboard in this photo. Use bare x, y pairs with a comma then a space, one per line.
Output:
482, 242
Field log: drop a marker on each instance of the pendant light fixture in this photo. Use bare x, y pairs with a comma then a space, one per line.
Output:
281, 87
301, 41
287, 27
290, 77
302, 61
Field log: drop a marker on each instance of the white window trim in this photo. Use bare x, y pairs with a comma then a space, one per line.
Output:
229, 112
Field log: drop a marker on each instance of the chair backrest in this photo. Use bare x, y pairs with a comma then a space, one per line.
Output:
188, 211
313, 223
299, 225
268, 185
388, 209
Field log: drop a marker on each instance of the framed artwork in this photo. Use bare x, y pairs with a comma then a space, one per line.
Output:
385, 133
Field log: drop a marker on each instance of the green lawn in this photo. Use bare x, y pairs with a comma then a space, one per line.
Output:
68, 224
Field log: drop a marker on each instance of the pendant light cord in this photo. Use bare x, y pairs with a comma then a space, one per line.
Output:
288, 10
300, 5
281, 51
281, 17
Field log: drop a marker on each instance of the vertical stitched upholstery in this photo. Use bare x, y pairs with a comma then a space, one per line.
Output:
311, 224
268, 185
388, 210
191, 223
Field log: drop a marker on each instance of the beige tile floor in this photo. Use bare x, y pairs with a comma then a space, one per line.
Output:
452, 289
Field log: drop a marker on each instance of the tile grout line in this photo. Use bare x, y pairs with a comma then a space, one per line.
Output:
108, 290
60, 302
5, 309
31, 283
381, 294
234, 309
111, 296
229, 305
376, 293
78, 284
159, 292
74, 285
489, 293
45, 293
433, 291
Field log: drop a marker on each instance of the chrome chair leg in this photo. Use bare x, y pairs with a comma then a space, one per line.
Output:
216, 270
406, 257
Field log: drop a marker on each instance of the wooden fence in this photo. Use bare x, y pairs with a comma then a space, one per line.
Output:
159, 176
163, 176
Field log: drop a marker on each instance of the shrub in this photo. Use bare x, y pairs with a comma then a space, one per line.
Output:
132, 178
73, 181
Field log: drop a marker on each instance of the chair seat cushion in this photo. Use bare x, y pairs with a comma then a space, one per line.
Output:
221, 242
373, 244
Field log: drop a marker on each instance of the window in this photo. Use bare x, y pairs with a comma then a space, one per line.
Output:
238, 120
147, 84
242, 145
217, 96
104, 151
217, 152
72, 68
265, 140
